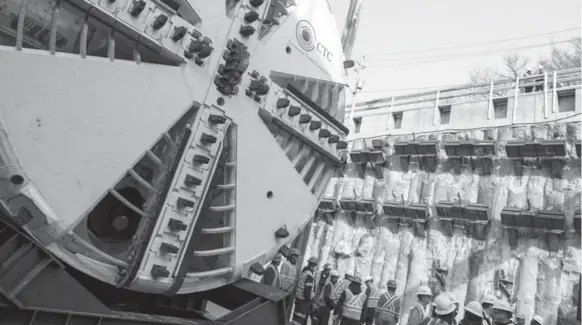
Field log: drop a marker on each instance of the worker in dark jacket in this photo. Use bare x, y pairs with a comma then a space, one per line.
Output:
502, 313
372, 297
350, 303
487, 304
305, 293
327, 299
473, 314
539, 82
321, 280
271, 276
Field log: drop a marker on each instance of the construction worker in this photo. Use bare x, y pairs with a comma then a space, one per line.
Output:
539, 82
487, 304
444, 311
288, 274
502, 313
271, 276
343, 285
350, 303
528, 73
305, 293
328, 298
388, 310
321, 280
473, 314
537, 320
371, 302
289, 270
418, 312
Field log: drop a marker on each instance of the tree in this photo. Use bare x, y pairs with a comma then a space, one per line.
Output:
514, 66
564, 58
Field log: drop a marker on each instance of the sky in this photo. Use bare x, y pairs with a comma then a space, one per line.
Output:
388, 26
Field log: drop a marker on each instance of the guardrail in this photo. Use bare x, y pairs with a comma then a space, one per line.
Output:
473, 92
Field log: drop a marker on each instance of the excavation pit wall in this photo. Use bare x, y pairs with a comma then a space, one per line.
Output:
545, 269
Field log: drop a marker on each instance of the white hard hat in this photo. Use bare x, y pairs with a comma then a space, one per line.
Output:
423, 291
334, 273
539, 319
488, 299
503, 305
443, 305
474, 307
369, 278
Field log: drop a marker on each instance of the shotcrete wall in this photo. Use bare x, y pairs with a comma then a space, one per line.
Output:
545, 269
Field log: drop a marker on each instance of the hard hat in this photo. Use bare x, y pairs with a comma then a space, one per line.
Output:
503, 305
488, 299
327, 266
369, 279
334, 273
538, 319
423, 291
294, 252
443, 305
277, 258
312, 260
474, 307
391, 284
357, 279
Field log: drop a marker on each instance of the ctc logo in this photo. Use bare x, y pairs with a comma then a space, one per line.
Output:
305, 35
308, 41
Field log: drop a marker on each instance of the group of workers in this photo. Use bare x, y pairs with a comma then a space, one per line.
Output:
321, 295
533, 84
444, 308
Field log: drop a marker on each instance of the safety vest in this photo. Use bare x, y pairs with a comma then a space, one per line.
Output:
391, 305
342, 286
352, 307
288, 276
301, 285
332, 295
374, 296
422, 312
487, 320
277, 280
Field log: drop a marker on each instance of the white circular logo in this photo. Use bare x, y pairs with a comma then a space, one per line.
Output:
305, 35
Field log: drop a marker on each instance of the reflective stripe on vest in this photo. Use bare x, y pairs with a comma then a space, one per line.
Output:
332, 295
352, 307
342, 286
390, 305
277, 280
374, 297
288, 276
301, 285
420, 309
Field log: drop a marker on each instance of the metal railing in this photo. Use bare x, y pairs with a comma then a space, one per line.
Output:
553, 81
